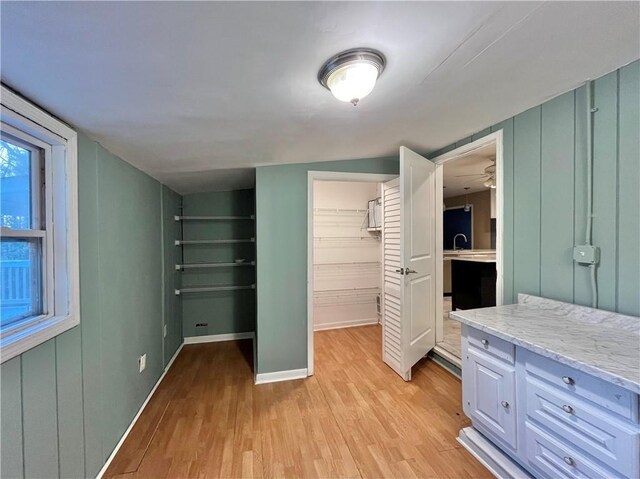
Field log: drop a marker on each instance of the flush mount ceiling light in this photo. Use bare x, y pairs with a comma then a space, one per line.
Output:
352, 74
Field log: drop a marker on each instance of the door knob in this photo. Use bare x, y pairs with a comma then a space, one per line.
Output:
401, 271
409, 271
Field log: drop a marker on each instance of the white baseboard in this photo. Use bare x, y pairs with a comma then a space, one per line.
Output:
133, 422
278, 376
214, 338
345, 324
496, 461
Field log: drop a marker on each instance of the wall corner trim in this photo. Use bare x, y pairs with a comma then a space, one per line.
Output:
135, 419
278, 376
215, 338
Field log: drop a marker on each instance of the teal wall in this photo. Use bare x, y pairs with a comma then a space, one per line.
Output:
66, 403
545, 194
281, 234
225, 311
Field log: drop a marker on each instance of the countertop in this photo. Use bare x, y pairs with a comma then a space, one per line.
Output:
458, 252
476, 259
600, 343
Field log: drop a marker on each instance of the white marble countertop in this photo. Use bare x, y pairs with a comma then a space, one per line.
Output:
476, 259
601, 343
459, 252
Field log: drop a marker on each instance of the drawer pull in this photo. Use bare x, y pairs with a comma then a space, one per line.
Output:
568, 380
567, 409
505, 404
569, 460
485, 343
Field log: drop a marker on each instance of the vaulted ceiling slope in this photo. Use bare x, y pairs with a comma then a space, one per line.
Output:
184, 90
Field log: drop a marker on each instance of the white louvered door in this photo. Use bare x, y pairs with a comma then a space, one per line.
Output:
391, 261
409, 264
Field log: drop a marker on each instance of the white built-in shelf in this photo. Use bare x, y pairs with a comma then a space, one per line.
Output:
213, 218
206, 289
346, 241
346, 269
217, 241
213, 265
347, 292
338, 297
348, 263
345, 238
339, 211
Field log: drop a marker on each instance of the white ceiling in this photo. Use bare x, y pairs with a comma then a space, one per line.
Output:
455, 174
182, 90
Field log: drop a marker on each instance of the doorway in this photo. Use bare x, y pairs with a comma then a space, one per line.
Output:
469, 231
344, 252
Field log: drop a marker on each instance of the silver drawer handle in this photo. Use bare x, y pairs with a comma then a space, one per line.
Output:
568, 380
485, 343
567, 409
505, 404
569, 460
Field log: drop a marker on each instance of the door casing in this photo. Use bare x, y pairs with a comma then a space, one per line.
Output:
313, 176
497, 138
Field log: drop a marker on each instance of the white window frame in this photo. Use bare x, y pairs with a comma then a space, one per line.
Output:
42, 210
60, 263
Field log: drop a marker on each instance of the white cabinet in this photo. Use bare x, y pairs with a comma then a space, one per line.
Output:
491, 396
551, 419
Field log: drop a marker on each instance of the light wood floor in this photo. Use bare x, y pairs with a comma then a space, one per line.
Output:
353, 418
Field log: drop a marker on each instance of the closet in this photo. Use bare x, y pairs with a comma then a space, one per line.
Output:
216, 265
346, 254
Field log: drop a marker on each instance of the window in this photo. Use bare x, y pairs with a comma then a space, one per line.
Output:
38, 226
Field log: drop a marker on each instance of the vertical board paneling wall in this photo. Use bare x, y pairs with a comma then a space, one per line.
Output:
545, 193
66, 403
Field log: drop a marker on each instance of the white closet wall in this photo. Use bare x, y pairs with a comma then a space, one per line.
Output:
347, 275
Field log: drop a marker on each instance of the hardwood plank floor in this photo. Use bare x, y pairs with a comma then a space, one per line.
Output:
355, 418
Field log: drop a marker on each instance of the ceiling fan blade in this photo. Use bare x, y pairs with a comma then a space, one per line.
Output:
474, 174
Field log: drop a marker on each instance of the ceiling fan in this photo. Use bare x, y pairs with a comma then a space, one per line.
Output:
489, 175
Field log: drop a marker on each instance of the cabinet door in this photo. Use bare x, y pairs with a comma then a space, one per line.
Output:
490, 395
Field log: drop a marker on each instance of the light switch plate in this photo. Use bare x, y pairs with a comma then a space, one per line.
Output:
586, 254
142, 363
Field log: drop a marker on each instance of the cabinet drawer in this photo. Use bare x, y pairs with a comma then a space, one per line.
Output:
594, 430
555, 459
497, 347
611, 397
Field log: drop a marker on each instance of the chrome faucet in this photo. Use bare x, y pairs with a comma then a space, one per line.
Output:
455, 238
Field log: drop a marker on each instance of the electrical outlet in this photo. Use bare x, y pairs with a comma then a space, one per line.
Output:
142, 362
164, 331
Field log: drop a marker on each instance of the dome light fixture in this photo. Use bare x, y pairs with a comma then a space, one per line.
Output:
352, 74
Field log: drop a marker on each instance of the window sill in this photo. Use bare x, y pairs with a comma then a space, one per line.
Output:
27, 338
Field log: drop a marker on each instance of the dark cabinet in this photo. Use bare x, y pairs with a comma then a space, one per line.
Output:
473, 284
